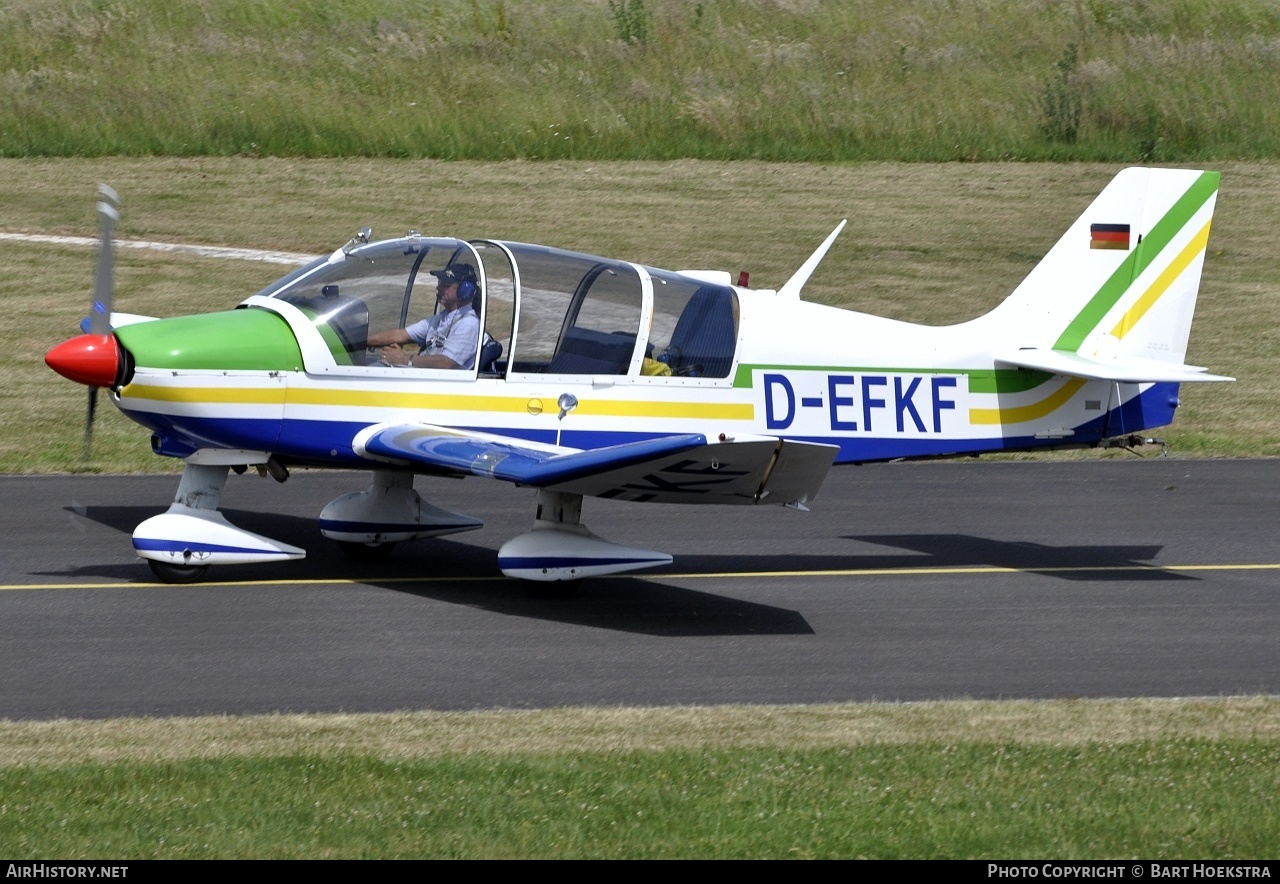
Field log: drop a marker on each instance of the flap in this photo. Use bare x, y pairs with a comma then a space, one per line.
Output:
758, 469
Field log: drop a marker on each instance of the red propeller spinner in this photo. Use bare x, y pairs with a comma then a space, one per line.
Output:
92, 360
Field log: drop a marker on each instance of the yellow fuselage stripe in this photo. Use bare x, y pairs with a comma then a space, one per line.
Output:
367, 398
239, 395
1030, 412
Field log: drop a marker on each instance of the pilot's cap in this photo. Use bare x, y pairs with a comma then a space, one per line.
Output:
455, 273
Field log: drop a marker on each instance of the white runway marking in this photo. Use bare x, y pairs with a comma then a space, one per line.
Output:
290, 258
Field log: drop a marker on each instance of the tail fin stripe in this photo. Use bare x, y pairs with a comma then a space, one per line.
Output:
1162, 283
1138, 260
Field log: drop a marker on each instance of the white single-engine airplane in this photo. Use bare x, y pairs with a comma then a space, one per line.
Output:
611, 379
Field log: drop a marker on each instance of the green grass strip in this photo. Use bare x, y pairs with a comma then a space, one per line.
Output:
1190, 798
1063, 779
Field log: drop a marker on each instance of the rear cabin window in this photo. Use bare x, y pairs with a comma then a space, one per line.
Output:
695, 325
578, 314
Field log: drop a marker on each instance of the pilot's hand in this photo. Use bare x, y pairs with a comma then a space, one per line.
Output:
394, 354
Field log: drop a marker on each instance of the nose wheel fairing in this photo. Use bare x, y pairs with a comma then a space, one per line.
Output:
186, 536
192, 533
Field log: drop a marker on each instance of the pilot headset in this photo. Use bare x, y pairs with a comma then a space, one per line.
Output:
467, 282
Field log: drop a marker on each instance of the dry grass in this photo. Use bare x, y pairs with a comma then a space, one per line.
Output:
411, 735
931, 243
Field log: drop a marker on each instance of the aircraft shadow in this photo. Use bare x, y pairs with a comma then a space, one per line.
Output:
467, 574
623, 604
461, 559
1085, 563
1064, 562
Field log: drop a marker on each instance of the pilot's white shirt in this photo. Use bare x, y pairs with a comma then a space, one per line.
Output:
455, 334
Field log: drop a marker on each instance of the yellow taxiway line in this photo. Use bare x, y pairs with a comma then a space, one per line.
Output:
960, 570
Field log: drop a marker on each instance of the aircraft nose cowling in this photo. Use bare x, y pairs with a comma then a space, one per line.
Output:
92, 360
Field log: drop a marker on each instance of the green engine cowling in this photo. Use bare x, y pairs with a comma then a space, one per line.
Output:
246, 339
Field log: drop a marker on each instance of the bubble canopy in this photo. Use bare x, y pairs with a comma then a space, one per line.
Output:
551, 311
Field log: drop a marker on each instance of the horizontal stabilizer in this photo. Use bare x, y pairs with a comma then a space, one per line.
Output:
1129, 369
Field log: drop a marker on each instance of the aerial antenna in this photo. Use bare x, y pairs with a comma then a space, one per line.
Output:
801, 276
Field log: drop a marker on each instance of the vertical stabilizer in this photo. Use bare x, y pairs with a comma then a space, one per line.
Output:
1121, 284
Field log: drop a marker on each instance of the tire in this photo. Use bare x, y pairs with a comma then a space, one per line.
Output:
170, 573
366, 552
560, 589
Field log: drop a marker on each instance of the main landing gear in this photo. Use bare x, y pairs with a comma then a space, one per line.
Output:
368, 524
552, 558
561, 550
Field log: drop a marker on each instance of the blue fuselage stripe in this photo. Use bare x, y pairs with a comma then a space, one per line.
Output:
329, 443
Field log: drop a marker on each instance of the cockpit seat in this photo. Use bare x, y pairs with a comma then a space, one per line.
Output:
587, 351
490, 350
705, 336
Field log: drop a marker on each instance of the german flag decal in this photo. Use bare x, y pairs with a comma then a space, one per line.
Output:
1109, 236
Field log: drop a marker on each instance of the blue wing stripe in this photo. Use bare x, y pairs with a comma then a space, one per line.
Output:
514, 463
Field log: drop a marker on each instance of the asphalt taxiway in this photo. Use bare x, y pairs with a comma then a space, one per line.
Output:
1112, 578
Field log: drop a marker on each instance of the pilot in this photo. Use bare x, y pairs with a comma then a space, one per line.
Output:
446, 340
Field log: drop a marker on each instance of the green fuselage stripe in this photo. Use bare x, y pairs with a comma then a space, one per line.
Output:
1146, 251
981, 380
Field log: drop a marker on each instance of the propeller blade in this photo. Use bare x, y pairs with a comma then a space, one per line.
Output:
90, 410
103, 281
104, 291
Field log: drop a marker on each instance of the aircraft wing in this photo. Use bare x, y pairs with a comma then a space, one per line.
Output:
1126, 369
670, 469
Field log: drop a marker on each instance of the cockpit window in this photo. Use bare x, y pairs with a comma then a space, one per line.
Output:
557, 312
378, 287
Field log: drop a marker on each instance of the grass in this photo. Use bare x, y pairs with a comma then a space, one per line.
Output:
792, 80
927, 243
1065, 779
